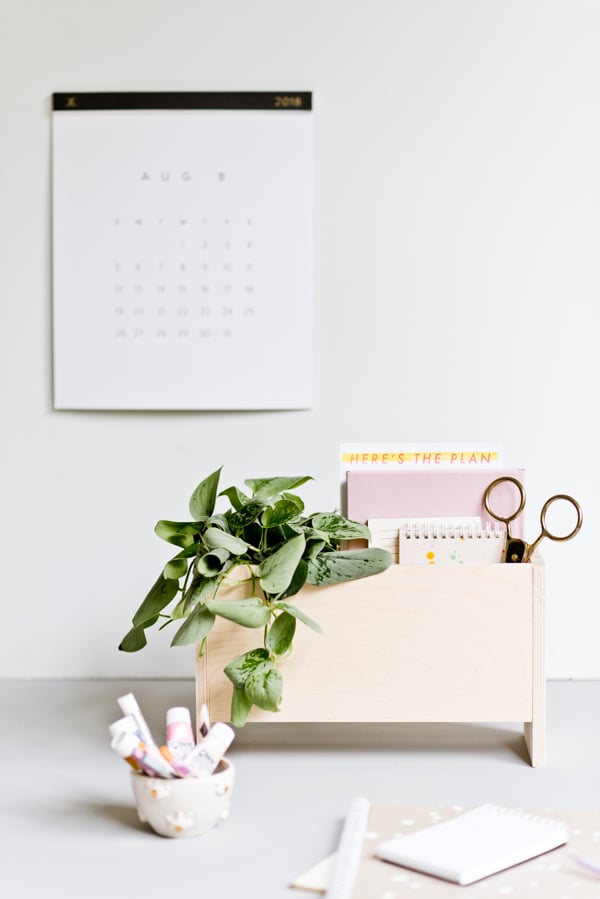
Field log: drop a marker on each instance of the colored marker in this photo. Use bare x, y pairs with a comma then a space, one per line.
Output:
587, 863
129, 706
180, 733
204, 723
205, 756
125, 725
128, 747
177, 765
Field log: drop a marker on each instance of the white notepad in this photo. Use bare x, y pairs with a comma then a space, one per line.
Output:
440, 544
385, 532
475, 844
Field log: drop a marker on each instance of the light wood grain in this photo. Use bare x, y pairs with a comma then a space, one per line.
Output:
535, 730
414, 643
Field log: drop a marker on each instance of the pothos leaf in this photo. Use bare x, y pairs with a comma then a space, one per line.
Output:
246, 515
134, 640
301, 616
339, 527
334, 567
250, 612
211, 563
180, 533
196, 626
276, 572
176, 568
238, 670
159, 596
240, 707
268, 487
264, 686
235, 497
298, 580
279, 513
204, 497
215, 538
201, 588
281, 633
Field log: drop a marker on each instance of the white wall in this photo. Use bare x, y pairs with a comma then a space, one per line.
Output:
457, 271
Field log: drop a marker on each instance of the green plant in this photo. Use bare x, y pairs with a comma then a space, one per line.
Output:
282, 549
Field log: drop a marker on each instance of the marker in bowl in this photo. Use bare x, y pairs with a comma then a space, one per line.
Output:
125, 725
204, 722
205, 756
128, 747
176, 763
180, 733
128, 705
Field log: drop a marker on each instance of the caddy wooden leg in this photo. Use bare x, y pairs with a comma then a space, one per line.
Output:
535, 730
534, 733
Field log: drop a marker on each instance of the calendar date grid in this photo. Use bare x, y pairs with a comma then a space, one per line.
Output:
181, 278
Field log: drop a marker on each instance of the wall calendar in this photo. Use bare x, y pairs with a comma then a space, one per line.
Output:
182, 251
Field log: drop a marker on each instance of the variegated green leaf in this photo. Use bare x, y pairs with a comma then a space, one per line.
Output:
134, 640
216, 538
280, 513
176, 568
276, 572
196, 626
238, 670
250, 612
200, 588
235, 497
339, 527
211, 563
335, 567
204, 497
179, 533
240, 707
264, 687
301, 616
159, 596
268, 487
281, 633
246, 515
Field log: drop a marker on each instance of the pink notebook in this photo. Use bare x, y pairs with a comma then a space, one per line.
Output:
428, 494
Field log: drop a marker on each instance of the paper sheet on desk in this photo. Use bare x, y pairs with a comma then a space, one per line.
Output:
316, 879
554, 875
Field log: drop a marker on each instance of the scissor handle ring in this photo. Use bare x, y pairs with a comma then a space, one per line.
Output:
490, 488
546, 506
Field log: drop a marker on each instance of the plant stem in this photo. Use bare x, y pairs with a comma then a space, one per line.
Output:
187, 575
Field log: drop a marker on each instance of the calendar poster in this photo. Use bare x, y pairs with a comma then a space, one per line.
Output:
182, 251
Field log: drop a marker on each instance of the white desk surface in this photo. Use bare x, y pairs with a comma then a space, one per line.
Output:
69, 826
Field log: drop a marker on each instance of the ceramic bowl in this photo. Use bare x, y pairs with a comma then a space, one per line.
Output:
184, 807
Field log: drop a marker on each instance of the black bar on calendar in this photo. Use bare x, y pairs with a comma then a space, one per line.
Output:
281, 100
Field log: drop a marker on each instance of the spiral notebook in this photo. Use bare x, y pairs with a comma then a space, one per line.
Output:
385, 532
474, 845
554, 875
430, 542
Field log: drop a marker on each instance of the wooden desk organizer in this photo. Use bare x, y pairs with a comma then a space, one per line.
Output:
412, 644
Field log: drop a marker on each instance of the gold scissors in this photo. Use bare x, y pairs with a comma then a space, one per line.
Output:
518, 550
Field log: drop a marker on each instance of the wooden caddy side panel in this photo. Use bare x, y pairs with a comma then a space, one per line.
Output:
414, 643
535, 728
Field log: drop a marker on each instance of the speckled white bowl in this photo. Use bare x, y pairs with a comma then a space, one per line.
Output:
184, 807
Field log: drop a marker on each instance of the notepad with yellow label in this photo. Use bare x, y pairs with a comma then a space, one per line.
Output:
474, 845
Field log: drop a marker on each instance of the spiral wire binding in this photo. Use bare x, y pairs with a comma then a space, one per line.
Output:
432, 529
